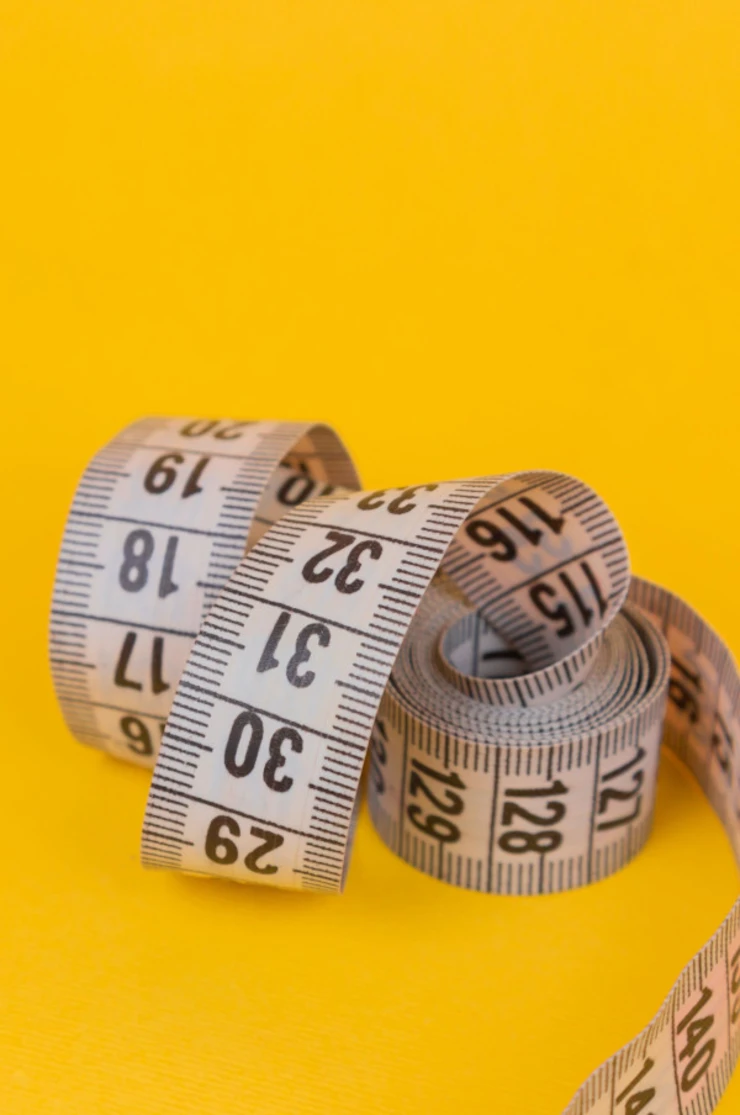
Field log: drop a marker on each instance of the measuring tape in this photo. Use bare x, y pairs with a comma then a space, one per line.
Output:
482, 638
160, 519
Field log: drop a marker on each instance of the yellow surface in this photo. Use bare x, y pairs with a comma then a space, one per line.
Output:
476, 236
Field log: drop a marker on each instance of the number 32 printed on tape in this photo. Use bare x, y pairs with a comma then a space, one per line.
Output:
231, 610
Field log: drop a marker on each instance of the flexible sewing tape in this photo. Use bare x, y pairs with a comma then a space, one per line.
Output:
517, 741
159, 520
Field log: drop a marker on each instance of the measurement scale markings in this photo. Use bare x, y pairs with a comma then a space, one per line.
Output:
204, 634
219, 608
309, 615
201, 452
266, 712
312, 857
405, 609
77, 561
363, 735
337, 767
324, 876
167, 820
339, 809
198, 670
415, 595
96, 494
327, 783
427, 530
375, 694
580, 502
503, 498
174, 527
94, 470
116, 708
544, 573
124, 623
317, 823
167, 791
598, 516
173, 782
92, 489
157, 839
370, 534
170, 735
169, 823
320, 806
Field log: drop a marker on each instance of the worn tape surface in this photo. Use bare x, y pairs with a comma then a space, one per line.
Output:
485, 636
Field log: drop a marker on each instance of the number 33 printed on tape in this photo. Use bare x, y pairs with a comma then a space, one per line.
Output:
231, 610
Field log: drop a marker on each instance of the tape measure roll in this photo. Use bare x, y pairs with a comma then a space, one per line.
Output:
258, 774
159, 520
480, 632
517, 800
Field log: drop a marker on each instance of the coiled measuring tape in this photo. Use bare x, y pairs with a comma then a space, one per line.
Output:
482, 638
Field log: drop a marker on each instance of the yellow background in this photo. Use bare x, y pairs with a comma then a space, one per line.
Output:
476, 236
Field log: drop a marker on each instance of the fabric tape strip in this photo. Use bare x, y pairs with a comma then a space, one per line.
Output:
160, 518
483, 637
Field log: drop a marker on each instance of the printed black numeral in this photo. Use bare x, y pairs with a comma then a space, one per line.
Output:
137, 553
297, 489
438, 827
340, 541
512, 810
493, 538
221, 849
735, 986
453, 803
240, 767
399, 505
283, 735
520, 841
554, 523
378, 755
543, 596
723, 747
636, 1101
554, 789
161, 476
270, 841
699, 1056
202, 426
121, 678
502, 547
685, 689
139, 736
616, 795
301, 654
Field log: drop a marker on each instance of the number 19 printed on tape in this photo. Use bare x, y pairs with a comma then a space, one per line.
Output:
230, 609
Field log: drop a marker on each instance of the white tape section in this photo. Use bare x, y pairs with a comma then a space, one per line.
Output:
159, 520
481, 637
